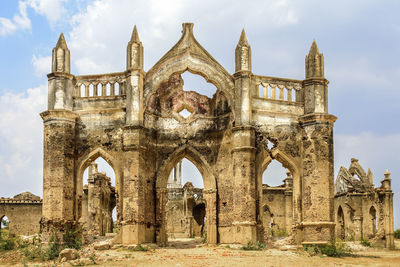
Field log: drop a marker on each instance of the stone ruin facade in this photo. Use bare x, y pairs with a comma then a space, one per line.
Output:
132, 120
362, 211
24, 211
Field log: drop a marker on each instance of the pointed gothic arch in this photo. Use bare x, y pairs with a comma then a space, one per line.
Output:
210, 192
84, 163
188, 55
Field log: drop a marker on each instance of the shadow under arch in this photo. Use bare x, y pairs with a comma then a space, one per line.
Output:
209, 192
289, 163
341, 223
83, 163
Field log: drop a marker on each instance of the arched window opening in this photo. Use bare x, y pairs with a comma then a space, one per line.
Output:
186, 212
372, 218
91, 90
341, 225
5, 223
276, 175
99, 198
268, 222
4, 226
82, 90
194, 82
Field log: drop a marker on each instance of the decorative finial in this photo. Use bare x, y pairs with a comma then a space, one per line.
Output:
61, 42
387, 174
243, 54
243, 39
135, 35
314, 62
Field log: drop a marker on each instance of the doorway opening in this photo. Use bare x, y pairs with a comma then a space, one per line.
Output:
99, 199
185, 208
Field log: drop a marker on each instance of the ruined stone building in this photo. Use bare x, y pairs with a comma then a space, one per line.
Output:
132, 119
362, 211
24, 211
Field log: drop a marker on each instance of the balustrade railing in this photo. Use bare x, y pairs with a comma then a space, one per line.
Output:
105, 85
272, 88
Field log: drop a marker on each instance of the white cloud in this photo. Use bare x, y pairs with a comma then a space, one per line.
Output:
53, 10
21, 136
20, 21
101, 31
41, 65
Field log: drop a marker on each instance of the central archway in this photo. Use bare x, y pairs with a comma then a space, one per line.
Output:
209, 192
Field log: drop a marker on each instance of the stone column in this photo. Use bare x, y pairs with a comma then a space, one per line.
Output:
210, 196
388, 210
318, 179
58, 170
245, 190
161, 215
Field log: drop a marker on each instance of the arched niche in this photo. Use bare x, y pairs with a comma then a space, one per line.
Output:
341, 231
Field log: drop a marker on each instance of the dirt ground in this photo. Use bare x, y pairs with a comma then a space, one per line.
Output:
189, 252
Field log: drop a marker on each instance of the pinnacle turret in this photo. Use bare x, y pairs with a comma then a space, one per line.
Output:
135, 36
243, 54
314, 62
61, 56
134, 58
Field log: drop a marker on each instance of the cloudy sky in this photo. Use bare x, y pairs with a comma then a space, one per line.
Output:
359, 39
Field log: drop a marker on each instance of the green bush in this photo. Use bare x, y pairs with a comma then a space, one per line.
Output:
365, 242
397, 234
337, 249
6, 241
72, 238
254, 246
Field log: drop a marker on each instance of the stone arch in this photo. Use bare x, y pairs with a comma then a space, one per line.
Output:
373, 220
265, 158
341, 223
84, 162
188, 54
195, 157
209, 191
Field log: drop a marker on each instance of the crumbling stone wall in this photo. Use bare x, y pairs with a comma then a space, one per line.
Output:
23, 211
132, 120
362, 211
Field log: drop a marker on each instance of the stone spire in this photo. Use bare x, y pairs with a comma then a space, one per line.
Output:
243, 54
134, 59
314, 63
61, 56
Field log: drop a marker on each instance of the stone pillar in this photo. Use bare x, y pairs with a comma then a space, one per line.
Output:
318, 179
58, 170
388, 210
134, 93
358, 231
245, 190
210, 196
133, 223
242, 76
161, 215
